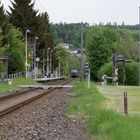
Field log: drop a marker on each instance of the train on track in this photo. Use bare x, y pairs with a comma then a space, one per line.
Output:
74, 73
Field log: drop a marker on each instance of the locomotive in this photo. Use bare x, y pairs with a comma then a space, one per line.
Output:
74, 73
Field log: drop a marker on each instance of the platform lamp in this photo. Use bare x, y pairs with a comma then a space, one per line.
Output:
51, 61
48, 60
36, 38
26, 60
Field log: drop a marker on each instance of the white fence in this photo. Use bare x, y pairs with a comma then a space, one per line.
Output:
16, 75
5, 79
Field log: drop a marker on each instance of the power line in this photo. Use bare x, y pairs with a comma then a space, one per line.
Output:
36, 5
42, 6
81, 64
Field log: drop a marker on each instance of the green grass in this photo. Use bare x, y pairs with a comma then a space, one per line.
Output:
23, 81
4, 88
102, 122
7, 88
115, 98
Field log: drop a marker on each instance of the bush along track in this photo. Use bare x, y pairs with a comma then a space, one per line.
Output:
102, 123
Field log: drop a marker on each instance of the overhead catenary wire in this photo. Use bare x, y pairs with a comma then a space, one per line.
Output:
36, 6
40, 6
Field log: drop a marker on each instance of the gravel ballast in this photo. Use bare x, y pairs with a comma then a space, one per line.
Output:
43, 119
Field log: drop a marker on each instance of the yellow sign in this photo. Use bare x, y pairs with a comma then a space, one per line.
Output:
30, 56
26, 64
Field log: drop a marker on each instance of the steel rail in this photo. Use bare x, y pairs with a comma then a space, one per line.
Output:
17, 93
24, 102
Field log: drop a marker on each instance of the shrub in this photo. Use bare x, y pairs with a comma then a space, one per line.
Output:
131, 71
105, 69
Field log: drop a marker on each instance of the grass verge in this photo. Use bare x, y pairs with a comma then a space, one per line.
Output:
19, 81
103, 123
115, 98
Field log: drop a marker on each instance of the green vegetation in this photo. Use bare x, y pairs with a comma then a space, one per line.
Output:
131, 72
23, 81
13, 26
6, 88
18, 13
100, 41
103, 41
67, 33
66, 60
19, 81
102, 123
115, 98
62, 56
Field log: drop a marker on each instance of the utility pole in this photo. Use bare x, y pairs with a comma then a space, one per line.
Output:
48, 49
43, 62
81, 64
51, 61
139, 46
26, 52
36, 38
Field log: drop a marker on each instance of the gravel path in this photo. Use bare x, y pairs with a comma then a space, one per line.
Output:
43, 120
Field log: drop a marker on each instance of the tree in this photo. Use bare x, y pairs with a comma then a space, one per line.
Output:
131, 72
2, 15
61, 57
16, 51
73, 61
127, 44
13, 46
43, 31
67, 33
23, 15
100, 42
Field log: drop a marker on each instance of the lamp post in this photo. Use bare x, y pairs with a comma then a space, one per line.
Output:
36, 38
43, 68
48, 60
81, 62
51, 61
59, 66
26, 60
5, 60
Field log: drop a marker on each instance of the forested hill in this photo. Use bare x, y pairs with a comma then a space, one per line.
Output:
71, 33
130, 27
68, 33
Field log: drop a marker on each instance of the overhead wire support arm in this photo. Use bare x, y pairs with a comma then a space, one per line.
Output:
81, 65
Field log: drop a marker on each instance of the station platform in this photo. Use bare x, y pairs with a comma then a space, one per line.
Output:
49, 79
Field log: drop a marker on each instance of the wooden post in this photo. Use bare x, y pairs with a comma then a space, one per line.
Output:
125, 103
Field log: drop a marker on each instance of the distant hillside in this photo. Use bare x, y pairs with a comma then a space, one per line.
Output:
130, 27
67, 33
71, 33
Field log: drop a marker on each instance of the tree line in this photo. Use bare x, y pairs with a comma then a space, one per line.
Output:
71, 33
101, 42
13, 26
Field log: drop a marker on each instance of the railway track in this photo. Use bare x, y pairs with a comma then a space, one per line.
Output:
11, 102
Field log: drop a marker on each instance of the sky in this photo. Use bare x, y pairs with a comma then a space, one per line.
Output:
90, 11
